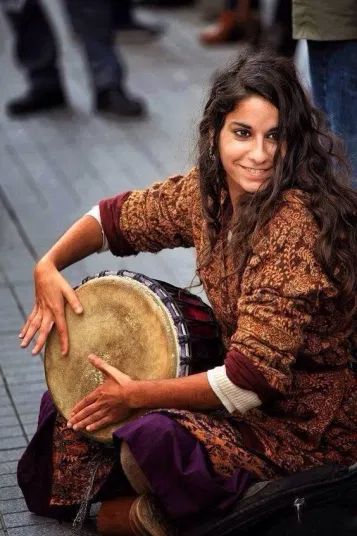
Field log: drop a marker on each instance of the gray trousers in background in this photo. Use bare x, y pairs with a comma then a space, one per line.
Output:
36, 48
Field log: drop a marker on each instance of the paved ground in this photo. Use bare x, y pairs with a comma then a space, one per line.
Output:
53, 169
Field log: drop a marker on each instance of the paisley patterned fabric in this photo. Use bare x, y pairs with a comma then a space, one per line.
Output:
74, 454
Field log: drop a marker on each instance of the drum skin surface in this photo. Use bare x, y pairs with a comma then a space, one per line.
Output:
125, 324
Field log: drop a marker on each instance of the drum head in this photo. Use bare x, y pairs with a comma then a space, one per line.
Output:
125, 324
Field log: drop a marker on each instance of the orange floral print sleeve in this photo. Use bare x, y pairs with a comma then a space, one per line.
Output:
160, 216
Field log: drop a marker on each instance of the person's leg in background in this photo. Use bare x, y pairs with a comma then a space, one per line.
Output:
286, 45
93, 23
37, 54
333, 69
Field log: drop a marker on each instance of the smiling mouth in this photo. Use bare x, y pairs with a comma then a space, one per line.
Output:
256, 171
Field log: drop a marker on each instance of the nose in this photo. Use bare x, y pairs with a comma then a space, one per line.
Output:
259, 151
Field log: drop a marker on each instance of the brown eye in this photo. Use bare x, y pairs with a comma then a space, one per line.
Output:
273, 136
242, 133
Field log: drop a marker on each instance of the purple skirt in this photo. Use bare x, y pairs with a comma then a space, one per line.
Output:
174, 462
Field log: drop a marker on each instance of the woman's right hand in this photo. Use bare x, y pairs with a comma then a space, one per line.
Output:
51, 293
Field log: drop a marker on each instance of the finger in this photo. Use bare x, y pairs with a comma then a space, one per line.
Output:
32, 329
98, 424
28, 321
45, 328
89, 419
86, 401
114, 373
62, 330
72, 299
84, 413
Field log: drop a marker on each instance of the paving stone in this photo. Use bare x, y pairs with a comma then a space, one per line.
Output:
8, 480
30, 429
21, 519
4, 397
29, 400
16, 261
32, 404
33, 376
10, 455
41, 530
10, 431
10, 316
25, 296
11, 492
29, 418
7, 468
13, 505
12, 442
34, 390
6, 410
9, 420
34, 387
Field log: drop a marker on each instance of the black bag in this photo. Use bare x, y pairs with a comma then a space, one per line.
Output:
318, 502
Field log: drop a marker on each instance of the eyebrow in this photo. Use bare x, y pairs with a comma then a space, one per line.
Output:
244, 125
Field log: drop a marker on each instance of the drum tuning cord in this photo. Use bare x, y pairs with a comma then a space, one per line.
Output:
77, 525
298, 504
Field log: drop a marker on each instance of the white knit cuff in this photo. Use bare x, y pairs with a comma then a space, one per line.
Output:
95, 213
232, 397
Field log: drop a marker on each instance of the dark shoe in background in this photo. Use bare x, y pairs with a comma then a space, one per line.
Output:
36, 100
118, 102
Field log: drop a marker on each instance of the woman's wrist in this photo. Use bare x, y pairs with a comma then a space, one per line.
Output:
134, 394
45, 264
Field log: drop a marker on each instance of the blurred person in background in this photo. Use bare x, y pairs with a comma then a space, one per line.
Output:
37, 54
330, 29
240, 20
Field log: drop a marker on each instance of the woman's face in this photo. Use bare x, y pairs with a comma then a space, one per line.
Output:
247, 144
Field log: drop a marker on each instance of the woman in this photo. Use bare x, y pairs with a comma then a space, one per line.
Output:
274, 227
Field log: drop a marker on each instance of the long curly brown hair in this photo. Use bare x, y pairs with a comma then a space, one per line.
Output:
313, 162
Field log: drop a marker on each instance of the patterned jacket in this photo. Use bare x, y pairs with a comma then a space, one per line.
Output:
281, 328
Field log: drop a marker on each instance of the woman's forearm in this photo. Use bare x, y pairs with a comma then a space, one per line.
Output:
83, 238
191, 392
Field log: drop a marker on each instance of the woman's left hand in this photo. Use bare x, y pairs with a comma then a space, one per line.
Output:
106, 404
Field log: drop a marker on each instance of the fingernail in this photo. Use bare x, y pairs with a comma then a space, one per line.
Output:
75, 426
22, 344
34, 352
69, 424
88, 428
79, 310
20, 335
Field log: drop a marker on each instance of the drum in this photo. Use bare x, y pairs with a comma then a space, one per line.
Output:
147, 328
